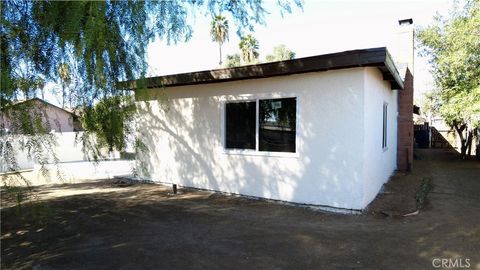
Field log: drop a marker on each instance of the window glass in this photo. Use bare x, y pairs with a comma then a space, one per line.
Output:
277, 124
384, 132
240, 125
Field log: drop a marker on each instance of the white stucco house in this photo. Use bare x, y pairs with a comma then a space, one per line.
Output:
323, 130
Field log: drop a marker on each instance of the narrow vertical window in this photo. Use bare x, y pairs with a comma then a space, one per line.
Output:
385, 124
240, 125
277, 125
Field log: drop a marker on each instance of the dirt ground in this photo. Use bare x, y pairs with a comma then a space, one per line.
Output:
100, 225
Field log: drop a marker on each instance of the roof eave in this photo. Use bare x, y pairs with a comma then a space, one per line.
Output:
376, 57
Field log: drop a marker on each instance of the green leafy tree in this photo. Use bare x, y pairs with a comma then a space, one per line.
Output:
280, 53
453, 46
219, 32
88, 46
249, 48
233, 60
430, 104
111, 114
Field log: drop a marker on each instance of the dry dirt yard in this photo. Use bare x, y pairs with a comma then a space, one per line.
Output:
100, 225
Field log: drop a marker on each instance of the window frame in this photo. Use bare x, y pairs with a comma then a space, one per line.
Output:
385, 126
257, 98
224, 137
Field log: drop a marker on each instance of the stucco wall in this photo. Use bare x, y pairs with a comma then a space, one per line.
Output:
184, 139
59, 120
379, 163
67, 147
69, 173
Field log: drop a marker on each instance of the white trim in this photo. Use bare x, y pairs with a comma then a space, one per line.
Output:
223, 120
257, 124
256, 98
385, 126
248, 152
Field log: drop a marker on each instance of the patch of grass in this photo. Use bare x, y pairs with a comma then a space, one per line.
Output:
421, 195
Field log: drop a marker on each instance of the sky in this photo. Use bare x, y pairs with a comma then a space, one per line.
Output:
322, 27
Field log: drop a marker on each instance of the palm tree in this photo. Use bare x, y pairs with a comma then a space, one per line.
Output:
249, 47
219, 32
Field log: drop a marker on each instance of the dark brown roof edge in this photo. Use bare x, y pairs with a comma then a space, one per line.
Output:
374, 57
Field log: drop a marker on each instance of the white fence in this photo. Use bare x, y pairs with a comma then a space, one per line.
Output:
70, 172
67, 149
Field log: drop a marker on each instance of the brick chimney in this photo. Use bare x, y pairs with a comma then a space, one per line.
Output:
405, 46
404, 54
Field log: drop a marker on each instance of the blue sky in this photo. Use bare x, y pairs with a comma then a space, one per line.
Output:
322, 27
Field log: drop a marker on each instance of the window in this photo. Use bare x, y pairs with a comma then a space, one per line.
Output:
384, 132
240, 125
276, 120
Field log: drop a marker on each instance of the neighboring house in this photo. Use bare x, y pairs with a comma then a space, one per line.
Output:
53, 117
324, 130
68, 148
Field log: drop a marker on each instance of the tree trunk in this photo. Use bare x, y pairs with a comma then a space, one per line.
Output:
476, 135
220, 49
463, 141
469, 143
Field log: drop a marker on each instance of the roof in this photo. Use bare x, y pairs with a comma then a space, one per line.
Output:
374, 57
42, 101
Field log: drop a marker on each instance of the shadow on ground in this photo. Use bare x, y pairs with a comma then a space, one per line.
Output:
100, 225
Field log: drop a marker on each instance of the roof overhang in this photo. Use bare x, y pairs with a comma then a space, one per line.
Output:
374, 57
